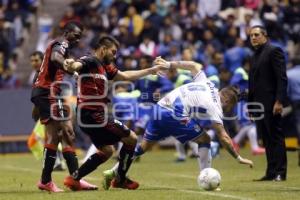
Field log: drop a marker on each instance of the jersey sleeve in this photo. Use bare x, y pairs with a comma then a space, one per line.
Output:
200, 76
87, 62
60, 48
111, 71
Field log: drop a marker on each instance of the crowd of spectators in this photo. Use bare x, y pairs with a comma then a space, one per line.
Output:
206, 27
16, 17
209, 29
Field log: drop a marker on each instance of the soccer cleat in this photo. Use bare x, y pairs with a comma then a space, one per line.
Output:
72, 184
108, 176
87, 186
258, 151
51, 187
126, 184
179, 160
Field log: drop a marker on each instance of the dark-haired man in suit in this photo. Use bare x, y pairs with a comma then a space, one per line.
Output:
267, 87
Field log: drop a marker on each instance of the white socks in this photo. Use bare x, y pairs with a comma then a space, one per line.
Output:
250, 131
204, 159
92, 150
180, 150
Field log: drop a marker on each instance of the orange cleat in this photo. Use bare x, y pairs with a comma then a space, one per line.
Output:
258, 151
87, 186
75, 185
51, 187
72, 184
126, 184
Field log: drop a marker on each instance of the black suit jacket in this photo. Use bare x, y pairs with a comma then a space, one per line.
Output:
267, 77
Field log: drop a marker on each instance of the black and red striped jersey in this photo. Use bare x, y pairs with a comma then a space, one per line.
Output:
93, 82
50, 71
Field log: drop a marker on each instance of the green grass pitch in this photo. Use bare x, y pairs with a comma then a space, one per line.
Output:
159, 177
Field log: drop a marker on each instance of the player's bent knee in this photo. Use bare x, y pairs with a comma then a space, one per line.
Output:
203, 139
131, 139
139, 131
107, 150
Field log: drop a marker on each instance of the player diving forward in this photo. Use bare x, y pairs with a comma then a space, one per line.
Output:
184, 112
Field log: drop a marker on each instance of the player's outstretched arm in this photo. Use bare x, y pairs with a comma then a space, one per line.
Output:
227, 143
72, 66
192, 66
136, 74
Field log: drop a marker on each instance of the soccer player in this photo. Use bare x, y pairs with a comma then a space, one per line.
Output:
184, 111
104, 131
151, 88
177, 80
50, 109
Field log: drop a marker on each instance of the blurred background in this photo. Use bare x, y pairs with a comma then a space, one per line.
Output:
212, 32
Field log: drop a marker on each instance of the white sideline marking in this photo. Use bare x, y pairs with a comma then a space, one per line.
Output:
204, 193
13, 168
192, 177
180, 175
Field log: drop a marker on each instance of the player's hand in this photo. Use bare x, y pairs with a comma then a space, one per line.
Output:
160, 70
245, 161
277, 108
162, 62
68, 63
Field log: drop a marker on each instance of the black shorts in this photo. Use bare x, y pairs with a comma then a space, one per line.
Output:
110, 131
49, 108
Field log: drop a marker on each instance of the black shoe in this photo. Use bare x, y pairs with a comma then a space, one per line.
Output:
279, 178
265, 178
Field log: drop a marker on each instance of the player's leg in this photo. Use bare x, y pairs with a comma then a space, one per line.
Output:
191, 131
252, 135
68, 150
239, 137
92, 149
139, 132
180, 150
117, 177
75, 182
151, 136
194, 149
52, 131
50, 149
145, 112
204, 154
214, 144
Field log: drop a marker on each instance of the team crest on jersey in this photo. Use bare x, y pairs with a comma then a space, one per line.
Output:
118, 122
197, 128
63, 47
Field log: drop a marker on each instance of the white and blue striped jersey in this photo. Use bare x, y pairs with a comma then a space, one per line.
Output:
198, 100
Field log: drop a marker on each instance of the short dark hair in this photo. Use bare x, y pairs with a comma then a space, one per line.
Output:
262, 29
107, 41
37, 53
232, 93
71, 25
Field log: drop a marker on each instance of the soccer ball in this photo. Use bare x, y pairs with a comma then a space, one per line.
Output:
209, 179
